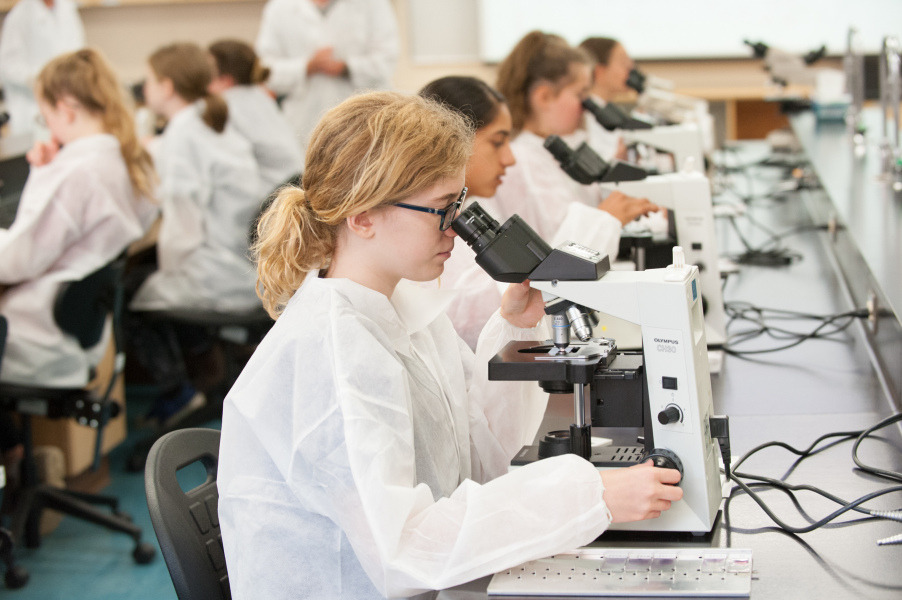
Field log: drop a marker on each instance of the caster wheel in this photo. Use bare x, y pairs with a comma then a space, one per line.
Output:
144, 553
15, 577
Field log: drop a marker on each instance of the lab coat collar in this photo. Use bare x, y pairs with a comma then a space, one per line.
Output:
189, 112
101, 142
531, 139
411, 308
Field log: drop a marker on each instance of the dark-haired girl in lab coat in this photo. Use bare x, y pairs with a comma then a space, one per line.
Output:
238, 76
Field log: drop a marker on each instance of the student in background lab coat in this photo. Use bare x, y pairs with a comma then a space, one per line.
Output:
238, 77
364, 453
609, 75
322, 51
210, 191
487, 113
85, 200
545, 80
34, 31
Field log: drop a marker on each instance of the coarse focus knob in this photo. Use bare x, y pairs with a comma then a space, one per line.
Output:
671, 414
665, 459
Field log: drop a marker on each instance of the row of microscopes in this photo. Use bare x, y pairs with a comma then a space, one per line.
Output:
648, 368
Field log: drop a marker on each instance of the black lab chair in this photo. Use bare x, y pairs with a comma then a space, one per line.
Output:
187, 523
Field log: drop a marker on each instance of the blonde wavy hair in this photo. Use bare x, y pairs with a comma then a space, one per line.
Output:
87, 77
372, 150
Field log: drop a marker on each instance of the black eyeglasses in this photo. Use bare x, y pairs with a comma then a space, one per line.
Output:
448, 214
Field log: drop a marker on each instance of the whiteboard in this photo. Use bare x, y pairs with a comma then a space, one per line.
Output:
681, 29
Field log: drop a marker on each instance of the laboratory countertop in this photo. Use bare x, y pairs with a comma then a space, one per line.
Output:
864, 202
794, 396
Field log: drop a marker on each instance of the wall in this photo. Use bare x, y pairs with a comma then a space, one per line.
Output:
129, 33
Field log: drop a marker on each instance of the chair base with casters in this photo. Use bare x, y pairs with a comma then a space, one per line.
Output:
232, 331
83, 406
187, 522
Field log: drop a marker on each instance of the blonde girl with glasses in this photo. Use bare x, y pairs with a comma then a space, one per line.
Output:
364, 454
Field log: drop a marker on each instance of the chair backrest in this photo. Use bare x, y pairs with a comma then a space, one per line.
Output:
187, 523
81, 307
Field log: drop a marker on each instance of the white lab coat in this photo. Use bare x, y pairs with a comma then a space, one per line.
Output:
359, 448
363, 33
556, 206
33, 34
256, 116
76, 214
210, 192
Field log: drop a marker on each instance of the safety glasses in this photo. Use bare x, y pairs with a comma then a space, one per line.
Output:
448, 214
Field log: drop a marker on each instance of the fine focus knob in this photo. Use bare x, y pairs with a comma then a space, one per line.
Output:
671, 414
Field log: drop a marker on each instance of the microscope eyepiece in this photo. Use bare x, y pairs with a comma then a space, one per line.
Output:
508, 252
475, 226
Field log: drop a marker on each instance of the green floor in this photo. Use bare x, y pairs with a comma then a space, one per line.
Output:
81, 560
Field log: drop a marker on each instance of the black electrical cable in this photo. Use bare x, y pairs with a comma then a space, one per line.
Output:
894, 475
819, 523
764, 255
812, 449
739, 311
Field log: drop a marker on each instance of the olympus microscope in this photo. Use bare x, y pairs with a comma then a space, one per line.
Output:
688, 195
663, 390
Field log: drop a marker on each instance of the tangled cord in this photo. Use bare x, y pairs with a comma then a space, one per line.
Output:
763, 319
845, 506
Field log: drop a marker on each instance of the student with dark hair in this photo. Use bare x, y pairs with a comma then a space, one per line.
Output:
609, 75
239, 77
487, 112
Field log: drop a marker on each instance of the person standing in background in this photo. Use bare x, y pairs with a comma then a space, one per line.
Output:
34, 32
321, 51
609, 75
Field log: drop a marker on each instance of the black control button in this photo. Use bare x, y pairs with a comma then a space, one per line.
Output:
669, 415
669, 383
696, 245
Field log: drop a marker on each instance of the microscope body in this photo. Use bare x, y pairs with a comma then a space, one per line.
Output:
683, 141
688, 195
665, 390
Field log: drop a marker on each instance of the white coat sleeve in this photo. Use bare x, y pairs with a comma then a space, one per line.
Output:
37, 240
183, 192
360, 472
374, 68
287, 73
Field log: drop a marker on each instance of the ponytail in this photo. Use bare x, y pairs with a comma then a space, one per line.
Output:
186, 65
238, 60
216, 113
291, 241
86, 76
537, 58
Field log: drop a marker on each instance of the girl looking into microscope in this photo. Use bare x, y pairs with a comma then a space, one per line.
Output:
486, 112
545, 81
364, 454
